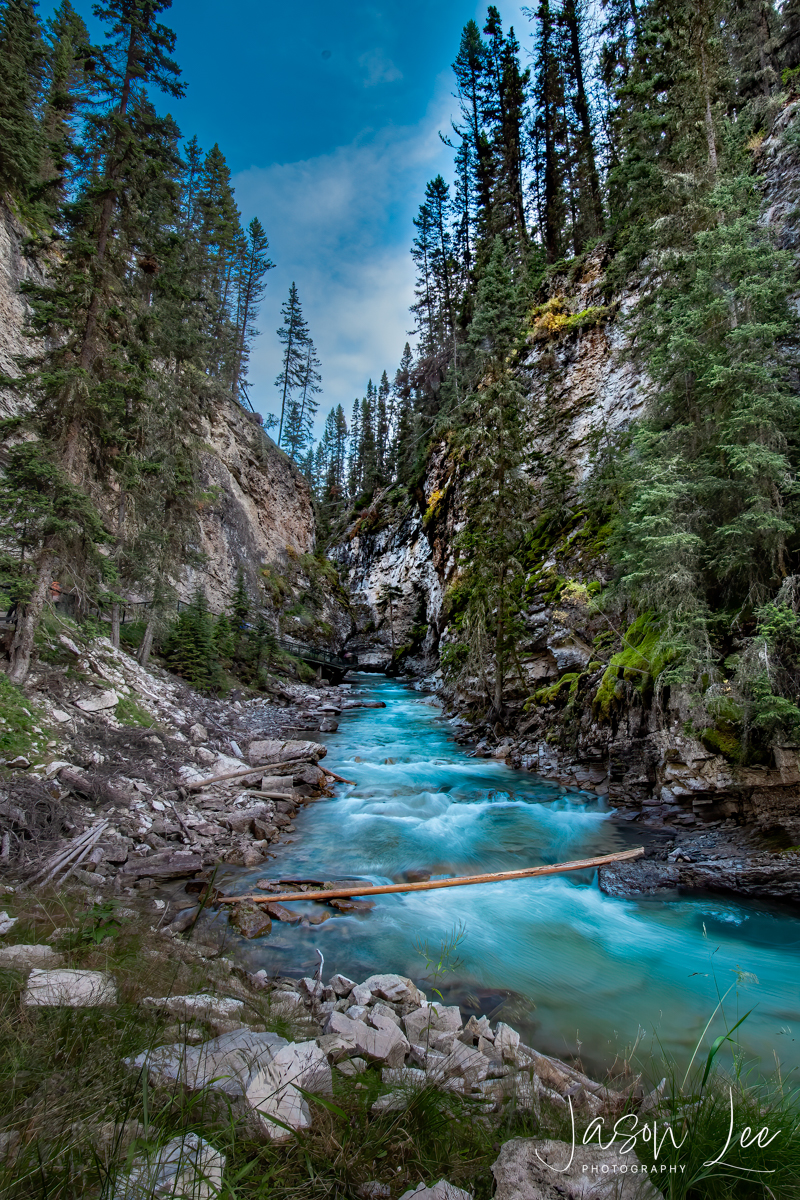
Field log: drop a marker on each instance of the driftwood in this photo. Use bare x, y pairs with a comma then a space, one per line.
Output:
77, 851
271, 795
582, 864
338, 778
242, 774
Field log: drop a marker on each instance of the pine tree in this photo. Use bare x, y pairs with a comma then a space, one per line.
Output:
493, 446
21, 68
303, 405
294, 337
549, 95
67, 94
190, 649
252, 267
87, 390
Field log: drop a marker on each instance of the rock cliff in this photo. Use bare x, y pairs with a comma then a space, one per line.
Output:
580, 711
259, 510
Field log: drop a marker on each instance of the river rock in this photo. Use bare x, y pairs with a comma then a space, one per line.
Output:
397, 989
506, 1041
22, 958
7, 922
435, 1018
226, 1063
279, 913
274, 750
387, 1046
200, 1006
436, 1191
251, 920
341, 985
70, 989
187, 1166
534, 1169
361, 994
166, 865
273, 1090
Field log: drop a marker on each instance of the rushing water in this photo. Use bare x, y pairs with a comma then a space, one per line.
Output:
574, 965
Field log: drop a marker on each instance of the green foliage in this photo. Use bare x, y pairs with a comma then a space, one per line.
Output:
20, 728
561, 692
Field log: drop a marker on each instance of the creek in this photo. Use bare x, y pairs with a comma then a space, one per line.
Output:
574, 969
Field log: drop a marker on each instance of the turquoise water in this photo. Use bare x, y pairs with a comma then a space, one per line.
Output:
571, 967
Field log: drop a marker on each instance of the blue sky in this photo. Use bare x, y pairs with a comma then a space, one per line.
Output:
329, 117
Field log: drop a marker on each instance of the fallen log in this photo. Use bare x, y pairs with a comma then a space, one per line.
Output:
582, 864
242, 774
338, 778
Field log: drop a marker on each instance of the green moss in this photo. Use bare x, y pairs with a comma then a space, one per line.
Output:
20, 729
561, 692
640, 662
553, 319
722, 742
128, 712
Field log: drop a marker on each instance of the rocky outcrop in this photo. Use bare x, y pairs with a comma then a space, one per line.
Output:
16, 266
389, 567
260, 511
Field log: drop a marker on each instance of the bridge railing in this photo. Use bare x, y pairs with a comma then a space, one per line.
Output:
312, 653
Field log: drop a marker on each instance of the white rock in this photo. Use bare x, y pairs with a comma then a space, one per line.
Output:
198, 734
383, 1010
352, 1066
58, 714
70, 989
379, 1045
97, 703
396, 988
22, 958
506, 1041
201, 1005
188, 1167
536, 1169
356, 1012
436, 1191
361, 995
227, 1063
7, 922
273, 1090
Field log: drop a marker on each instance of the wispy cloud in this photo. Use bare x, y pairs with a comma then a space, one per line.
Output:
379, 68
340, 226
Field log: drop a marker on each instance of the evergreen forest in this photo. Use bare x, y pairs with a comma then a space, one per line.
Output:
627, 135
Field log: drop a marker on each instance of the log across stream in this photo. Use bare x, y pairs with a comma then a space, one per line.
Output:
576, 966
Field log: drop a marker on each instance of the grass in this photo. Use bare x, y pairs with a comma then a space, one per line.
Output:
81, 1115
20, 728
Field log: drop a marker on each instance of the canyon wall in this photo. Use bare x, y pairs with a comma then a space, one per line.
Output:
579, 711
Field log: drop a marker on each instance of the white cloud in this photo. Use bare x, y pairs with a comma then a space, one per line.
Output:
340, 226
379, 68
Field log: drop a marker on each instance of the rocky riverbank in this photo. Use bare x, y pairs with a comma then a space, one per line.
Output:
126, 763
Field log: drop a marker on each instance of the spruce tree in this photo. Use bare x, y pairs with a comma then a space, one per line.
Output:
22, 56
294, 337
252, 267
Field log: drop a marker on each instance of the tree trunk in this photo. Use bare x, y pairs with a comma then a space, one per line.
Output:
499, 652
28, 619
115, 624
147, 643
709, 120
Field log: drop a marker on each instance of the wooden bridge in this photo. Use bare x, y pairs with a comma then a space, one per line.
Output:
332, 666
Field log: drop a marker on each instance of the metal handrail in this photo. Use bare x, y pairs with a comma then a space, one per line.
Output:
323, 656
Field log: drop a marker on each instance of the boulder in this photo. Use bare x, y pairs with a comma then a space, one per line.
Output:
7, 922
201, 1006
70, 989
198, 734
187, 1166
397, 989
227, 1063
422, 1023
506, 1041
22, 958
342, 985
537, 1169
251, 920
98, 703
273, 1090
165, 865
361, 994
436, 1191
464, 1062
279, 913
387, 1046
275, 750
